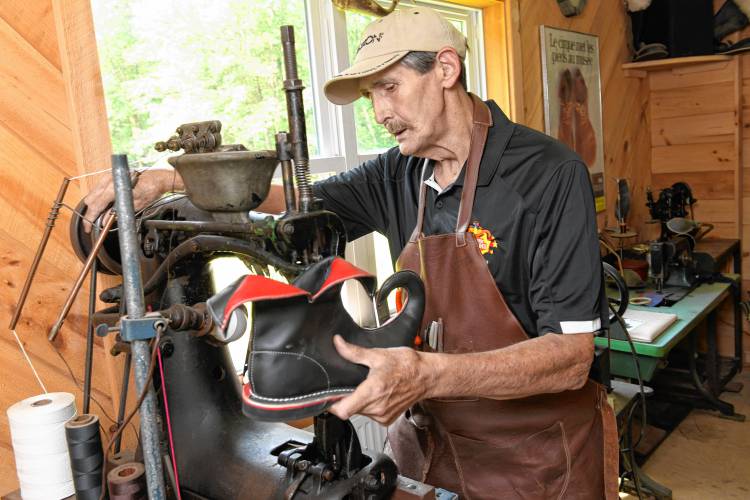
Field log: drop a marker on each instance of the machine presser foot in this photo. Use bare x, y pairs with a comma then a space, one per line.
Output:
333, 465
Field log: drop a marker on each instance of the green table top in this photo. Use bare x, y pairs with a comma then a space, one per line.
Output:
690, 311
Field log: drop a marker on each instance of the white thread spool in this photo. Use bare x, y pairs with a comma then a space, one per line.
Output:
37, 429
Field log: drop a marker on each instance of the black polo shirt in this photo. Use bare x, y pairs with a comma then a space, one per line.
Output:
534, 218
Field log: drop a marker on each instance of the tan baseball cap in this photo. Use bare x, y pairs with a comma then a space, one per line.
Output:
388, 39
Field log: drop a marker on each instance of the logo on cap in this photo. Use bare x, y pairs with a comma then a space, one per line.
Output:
370, 39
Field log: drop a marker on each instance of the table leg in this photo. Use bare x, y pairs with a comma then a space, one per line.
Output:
711, 368
738, 334
725, 408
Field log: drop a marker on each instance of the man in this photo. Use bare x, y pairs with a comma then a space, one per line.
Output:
499, 220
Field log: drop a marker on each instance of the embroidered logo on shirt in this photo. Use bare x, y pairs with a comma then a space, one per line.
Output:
485, 239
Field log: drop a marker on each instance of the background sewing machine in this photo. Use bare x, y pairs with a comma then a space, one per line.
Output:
674, 265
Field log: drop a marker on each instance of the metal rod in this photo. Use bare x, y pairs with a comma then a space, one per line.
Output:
53, 213
296, 116
89, 341
109, 220
136, 308
123, 398
258, 230
287, 172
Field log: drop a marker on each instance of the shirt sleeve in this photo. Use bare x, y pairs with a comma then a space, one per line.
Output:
566, 288
358, 197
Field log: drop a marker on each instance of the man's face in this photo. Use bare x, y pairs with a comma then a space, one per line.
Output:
407, 105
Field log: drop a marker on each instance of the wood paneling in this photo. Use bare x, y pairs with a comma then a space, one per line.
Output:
692, 76
711, 97
40, 134
26, 17
713, 186
706, 157
714, 127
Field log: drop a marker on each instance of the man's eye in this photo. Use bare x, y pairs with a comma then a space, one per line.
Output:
390, 87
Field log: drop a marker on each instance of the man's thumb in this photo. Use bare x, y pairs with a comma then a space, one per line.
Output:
349, 352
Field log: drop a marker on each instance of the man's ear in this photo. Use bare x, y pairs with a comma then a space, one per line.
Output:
449, 64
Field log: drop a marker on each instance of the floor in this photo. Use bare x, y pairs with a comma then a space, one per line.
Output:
707, 457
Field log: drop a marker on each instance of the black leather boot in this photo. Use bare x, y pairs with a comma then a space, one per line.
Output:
294, 369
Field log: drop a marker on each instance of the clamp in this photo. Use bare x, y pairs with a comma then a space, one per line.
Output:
142, 328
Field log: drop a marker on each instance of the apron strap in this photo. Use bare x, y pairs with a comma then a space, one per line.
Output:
482, 122
420, 208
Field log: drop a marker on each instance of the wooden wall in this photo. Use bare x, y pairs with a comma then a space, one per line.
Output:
41, 136
624, 100
694, 134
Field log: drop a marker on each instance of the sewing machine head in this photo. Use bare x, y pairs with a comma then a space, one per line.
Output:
671, 262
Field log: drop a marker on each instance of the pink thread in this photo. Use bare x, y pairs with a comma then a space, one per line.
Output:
169, 424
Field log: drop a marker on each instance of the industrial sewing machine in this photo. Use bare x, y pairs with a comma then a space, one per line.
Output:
672, 260
221, 454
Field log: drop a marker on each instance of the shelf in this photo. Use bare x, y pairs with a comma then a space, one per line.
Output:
641, 69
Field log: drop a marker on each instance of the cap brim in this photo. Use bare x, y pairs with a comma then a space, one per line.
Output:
344, 88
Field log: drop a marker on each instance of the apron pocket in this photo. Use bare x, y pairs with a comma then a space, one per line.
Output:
534, 467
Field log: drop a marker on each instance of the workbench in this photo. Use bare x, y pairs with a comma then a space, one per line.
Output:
707, 374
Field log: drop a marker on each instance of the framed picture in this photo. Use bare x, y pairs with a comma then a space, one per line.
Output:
572, 98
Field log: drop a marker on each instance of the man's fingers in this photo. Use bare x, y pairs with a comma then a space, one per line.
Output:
350, 405
351, 352
92, 211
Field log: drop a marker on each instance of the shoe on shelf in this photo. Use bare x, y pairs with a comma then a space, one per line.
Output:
651, 52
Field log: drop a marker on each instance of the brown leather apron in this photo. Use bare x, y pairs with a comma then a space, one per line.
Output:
561, 445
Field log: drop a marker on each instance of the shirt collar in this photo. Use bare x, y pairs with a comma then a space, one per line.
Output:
498, 136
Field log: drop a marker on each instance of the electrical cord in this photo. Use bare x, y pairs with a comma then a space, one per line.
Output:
611, 250
80, 388
631, 449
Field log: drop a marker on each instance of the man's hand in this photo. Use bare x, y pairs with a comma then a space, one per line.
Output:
398, 378
150, 186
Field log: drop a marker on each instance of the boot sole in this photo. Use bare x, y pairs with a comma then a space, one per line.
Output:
268, 410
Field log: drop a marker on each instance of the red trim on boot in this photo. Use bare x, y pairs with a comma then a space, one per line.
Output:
341, 270
254, 288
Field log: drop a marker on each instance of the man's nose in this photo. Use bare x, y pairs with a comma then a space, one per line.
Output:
381, 109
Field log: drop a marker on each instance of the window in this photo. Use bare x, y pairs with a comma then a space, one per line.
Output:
172, 62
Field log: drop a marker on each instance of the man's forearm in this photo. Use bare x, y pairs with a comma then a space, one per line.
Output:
551, 363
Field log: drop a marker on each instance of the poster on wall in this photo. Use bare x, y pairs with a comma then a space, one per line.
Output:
572, 98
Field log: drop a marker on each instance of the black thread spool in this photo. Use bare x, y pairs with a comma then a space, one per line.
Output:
127, 482
86, 456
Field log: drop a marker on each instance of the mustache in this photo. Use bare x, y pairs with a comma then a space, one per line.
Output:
394, 126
